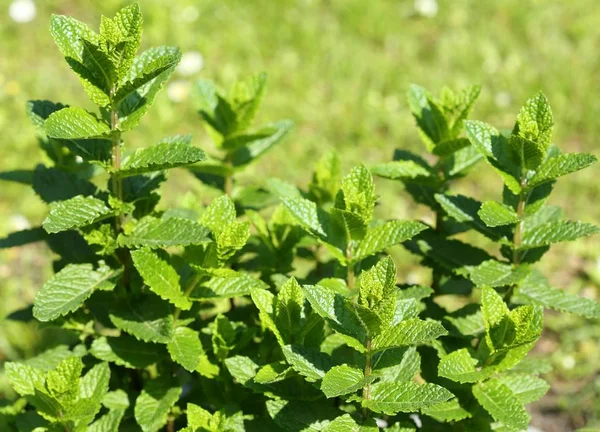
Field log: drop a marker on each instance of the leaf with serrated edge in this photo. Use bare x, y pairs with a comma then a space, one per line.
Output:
536, 289
341, 380
160, 277
309, 363
76, 212
495, 214
386, 235
560, 165
154, 403
409, 332
392, 398
149, 319
160, 157
126, 351
68, 289
185, 348
502, 404
556, 232
75, 123
158, 233
527, 388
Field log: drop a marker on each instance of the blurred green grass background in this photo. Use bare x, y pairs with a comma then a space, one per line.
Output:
340, 70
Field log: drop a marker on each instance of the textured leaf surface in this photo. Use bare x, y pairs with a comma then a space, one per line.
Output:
161, 157
527, 388
392, 398
133, 107
341, 380
502, 404
495, 214
227, 286
75, 213
68, 289
560, 165
461, 366
160, 277
405, 170
555, 232
150, 319
308, 362
154, 403
185, 348
274, 133
383, 236
126, 351
496, 274
447, 411
537, 290
409, 332
155, 233
75, 123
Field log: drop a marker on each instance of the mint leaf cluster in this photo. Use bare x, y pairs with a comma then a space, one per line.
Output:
276, 307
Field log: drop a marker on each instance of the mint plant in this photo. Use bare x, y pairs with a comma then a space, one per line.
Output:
290, 317
228, 118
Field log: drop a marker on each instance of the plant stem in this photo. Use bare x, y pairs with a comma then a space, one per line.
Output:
366, 392
517, 236
187, 292
350, 276
117, 184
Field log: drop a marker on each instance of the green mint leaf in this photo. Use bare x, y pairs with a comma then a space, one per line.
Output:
154, 403
341, 380
246, 96
495, 214
23, 237
159, 233
128, 22
75, 123
392, 398
289, 309
462, 367
338, 312
67, 290
160, 277
160, 157
23, 378
560, 165
134, 106
185, 348
301, 416
358, 193
493, 274
465, 209
226, 283
273, 135
448, 411
126, 351
556, 232
407, 171
409, 332
383, 236
160, 62
536, 290
76, 212
432, 125
94, 384
448, 147
527, 388
533, 131
273, 372
109, 422
149, 319
219, 214
309, 363
53, 184
502, 404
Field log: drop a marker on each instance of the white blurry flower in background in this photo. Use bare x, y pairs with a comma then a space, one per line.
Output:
191, 63
22, 11
178, 90
426, 8
502, 99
